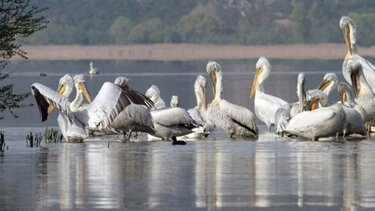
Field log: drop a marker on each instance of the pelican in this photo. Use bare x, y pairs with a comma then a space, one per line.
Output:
285, 113
154, 94
92, 71
235, 120
317, 123
170, 123
355, 114
199, 112
265, 105
364, 96
349, 30
174, 101
96, 116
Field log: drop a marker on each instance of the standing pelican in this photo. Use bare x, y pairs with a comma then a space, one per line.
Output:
317, 123
92, 71
154, 94
235, 120
349, 30
199, 112
265, 105
355, 114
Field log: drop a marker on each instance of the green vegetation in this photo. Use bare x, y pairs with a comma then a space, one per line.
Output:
19, 20
33, 140
52, 136
88, 22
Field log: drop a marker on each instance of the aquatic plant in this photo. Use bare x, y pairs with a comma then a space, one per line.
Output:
33, 140
3, 146
52, 135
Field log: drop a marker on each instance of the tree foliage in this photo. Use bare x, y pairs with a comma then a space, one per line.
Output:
18, 19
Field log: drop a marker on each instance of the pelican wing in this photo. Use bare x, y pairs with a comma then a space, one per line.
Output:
239, 115
266, 107
108, 103
173, 116
45, 96
137, 97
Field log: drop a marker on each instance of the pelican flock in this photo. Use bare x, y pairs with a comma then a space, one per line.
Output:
119, 109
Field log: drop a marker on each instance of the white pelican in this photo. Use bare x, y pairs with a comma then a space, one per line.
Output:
317, 123
96, 116
235, 120
199, 112
154, 94
265, 105
285, 113
355, 114
364, 96
349, 30
92, 71
174, 101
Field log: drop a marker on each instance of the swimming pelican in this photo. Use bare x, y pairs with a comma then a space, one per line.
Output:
199, 112
317, 123
92, 71
154, 94
364, 96
174, 101
265, 105
355, 114
235, 120
349, 30
96, 116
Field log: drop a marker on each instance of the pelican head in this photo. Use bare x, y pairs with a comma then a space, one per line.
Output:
329, 82
355, 72
214, 70
349, 30
314, 97
263, 69
153, 93
174, 101
200, 91
121, 81
79, 82
65, 88
344, 90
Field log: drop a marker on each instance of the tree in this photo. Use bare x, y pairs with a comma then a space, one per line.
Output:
148, 31
120, 30
18, 19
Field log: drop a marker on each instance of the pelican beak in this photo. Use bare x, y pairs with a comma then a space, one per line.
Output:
60, 90
343, 97
324, 85
346, 32
255, 81
213, 82
354, 76
313, 104
82, 88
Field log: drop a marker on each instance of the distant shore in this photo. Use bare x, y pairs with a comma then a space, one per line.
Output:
185, 52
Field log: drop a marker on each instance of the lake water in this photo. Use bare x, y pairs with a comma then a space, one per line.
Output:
272, 173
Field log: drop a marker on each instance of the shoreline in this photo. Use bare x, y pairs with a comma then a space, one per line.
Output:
187, 52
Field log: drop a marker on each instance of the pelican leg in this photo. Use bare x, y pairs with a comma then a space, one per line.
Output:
176, 142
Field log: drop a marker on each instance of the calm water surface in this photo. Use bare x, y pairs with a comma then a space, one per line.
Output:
272, 172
